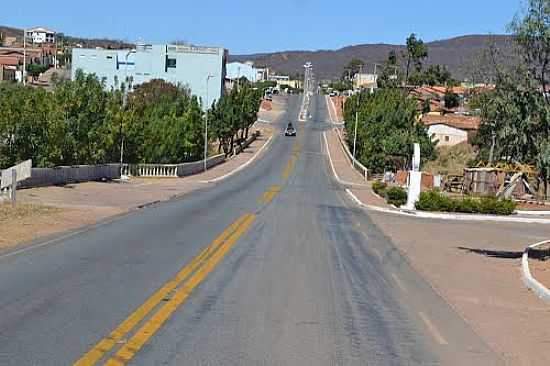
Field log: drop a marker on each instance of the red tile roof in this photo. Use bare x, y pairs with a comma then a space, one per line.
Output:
454, 120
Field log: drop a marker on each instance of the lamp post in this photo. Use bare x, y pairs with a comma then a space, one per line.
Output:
206, 123
24, 72
124, 102
355, 134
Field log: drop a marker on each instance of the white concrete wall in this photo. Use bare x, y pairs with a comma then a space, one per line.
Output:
447, 135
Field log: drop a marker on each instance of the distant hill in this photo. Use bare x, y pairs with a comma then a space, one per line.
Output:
454, 53
69, 40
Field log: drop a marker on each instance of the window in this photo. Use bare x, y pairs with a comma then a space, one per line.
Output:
109, 57
446, 138
170, 63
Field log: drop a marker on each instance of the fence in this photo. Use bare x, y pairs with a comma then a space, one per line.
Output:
356, 164
171, 170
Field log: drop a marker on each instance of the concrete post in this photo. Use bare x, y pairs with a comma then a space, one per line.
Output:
13, 187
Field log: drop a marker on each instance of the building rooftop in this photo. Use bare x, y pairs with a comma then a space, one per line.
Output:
468, 123
40, 30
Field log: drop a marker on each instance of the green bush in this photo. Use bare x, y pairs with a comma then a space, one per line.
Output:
379, 188
435, 201
396, 196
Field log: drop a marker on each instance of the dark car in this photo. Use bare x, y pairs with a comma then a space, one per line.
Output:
290, 130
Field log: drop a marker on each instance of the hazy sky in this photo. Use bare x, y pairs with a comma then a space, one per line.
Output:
248, 26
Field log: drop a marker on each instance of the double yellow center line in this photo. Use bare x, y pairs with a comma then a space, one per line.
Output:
172, 295
268, 195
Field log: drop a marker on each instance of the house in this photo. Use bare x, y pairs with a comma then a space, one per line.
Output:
450, 129
364, 81
283, 80
201, 69
40, 35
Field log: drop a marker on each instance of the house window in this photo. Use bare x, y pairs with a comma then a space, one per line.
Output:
170, 63
109, 57
446, 138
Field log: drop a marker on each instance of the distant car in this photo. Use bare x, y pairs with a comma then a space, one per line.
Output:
290, 130
333, 94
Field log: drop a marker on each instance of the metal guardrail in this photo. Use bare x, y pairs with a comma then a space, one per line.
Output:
356, 164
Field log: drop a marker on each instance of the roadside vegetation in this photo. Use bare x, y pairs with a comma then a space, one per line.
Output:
396, 196
82, 123
387, 128
436, 201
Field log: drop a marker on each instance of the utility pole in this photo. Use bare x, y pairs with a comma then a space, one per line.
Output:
356, 122
491, 153
24, 71
206, 123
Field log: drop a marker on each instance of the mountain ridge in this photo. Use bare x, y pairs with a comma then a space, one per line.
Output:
454, 53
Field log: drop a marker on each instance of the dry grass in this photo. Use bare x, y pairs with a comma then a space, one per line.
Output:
450, 160
23, 211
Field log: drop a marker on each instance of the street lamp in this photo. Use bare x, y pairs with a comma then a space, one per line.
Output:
206, 123
24, 72
124, 103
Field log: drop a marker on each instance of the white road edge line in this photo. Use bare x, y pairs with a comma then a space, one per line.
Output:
433, 330
538, 288
334, 170
399, 283
239, 168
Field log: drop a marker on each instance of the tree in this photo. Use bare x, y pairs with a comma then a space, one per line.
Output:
438, 75
352, 68
387, 129
416, 52
516, 114
391, 76
451, 99
532, 34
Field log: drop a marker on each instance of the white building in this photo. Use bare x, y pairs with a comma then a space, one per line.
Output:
450, 129
40, 35
366, 81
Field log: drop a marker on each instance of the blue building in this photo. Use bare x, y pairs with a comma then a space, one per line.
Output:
188, 66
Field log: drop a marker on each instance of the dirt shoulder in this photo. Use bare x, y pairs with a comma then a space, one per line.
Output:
474, 266
50, 210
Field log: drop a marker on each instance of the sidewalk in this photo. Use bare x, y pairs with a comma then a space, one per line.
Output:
82, 204
474, 266
361, 188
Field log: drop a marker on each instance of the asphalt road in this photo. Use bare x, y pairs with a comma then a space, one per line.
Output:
292, 274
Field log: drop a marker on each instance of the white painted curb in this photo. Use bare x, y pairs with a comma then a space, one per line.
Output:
239, 168
537, 287
448, 216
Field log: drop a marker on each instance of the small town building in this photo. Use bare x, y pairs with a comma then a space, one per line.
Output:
40, 35
237, 70
190, 66
284, 80
450, 129
364, 81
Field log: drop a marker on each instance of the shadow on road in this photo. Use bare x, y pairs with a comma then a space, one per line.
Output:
540, 254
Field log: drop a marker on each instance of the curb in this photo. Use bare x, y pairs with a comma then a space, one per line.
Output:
446, 216
334, 170
239, 168
530, 282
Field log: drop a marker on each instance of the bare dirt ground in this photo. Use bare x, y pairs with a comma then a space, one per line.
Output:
475, 266
61, 208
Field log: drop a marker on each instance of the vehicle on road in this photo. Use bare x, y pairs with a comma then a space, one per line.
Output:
290, 130
333, 94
